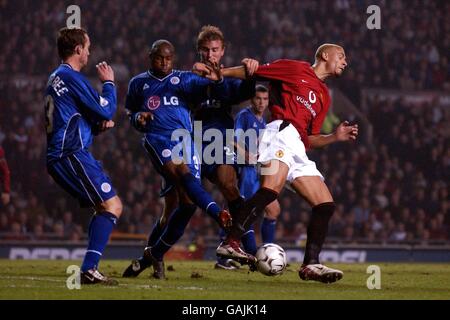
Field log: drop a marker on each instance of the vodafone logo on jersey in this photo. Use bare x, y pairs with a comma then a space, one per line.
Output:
153, 102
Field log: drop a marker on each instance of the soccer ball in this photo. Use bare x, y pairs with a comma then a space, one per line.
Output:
271, 259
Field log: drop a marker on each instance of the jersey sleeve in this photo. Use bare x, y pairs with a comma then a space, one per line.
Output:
100, 107
228, 90
281, 70
234, 91
133, 103
196, 88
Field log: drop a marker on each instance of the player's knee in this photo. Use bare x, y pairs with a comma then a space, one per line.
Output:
272, 211
113, 205
325, 209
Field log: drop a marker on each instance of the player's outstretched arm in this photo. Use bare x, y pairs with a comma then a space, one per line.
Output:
251, 65
212, 73
235, 72
344, 132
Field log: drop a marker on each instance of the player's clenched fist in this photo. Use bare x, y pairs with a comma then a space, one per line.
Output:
105, 72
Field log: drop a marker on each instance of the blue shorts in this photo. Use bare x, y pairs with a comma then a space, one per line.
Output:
248, 181
228, 156
83, 178
160, 149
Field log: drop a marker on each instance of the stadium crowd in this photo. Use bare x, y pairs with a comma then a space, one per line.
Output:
394, 190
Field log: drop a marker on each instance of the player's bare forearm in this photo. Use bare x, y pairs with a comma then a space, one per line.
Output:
235, 72
344, 132
321, 140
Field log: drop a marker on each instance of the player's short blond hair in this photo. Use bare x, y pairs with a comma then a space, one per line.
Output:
209, 33
324, 47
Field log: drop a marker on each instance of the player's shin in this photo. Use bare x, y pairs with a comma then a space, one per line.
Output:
174, 230
100, 229
317, 231
235, 205
252, 209
249, 242
268, 227
199, 196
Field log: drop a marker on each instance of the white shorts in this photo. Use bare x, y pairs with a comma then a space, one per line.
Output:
286, 146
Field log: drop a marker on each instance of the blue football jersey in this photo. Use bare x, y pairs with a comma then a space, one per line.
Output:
247, 120
215, 111
73, 110
169, 99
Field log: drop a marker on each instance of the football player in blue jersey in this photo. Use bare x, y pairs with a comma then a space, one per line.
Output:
74, 112
216, 114
158, 104
251, 118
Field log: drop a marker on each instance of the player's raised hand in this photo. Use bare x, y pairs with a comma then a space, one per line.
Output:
345, 131
211, 72
105, 72
251, 65
201, 69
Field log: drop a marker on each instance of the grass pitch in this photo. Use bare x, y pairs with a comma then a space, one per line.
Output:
38, 279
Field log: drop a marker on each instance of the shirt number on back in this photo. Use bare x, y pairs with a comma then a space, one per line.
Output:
49, 108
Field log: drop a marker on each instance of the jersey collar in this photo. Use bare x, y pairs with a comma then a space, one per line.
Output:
66, 65
151, 75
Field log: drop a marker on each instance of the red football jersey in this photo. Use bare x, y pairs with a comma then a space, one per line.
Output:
296, 95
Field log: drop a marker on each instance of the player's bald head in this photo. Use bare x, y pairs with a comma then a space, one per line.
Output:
160, 45
326, 48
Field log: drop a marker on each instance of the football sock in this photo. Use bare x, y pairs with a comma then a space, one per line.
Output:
199, 196
174, 230
268, 230
249, 242
100, 228
235, 205
154, 236
157, 231
317, 231
251, 210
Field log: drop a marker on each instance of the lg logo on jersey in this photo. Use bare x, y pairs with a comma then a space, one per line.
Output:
154, 102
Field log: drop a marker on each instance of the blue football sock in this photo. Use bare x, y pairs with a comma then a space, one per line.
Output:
99, 231
174, 230
222, 235
268, 230
199, 196
249, 242
156, 233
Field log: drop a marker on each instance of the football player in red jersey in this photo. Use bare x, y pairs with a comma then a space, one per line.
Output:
299, 101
